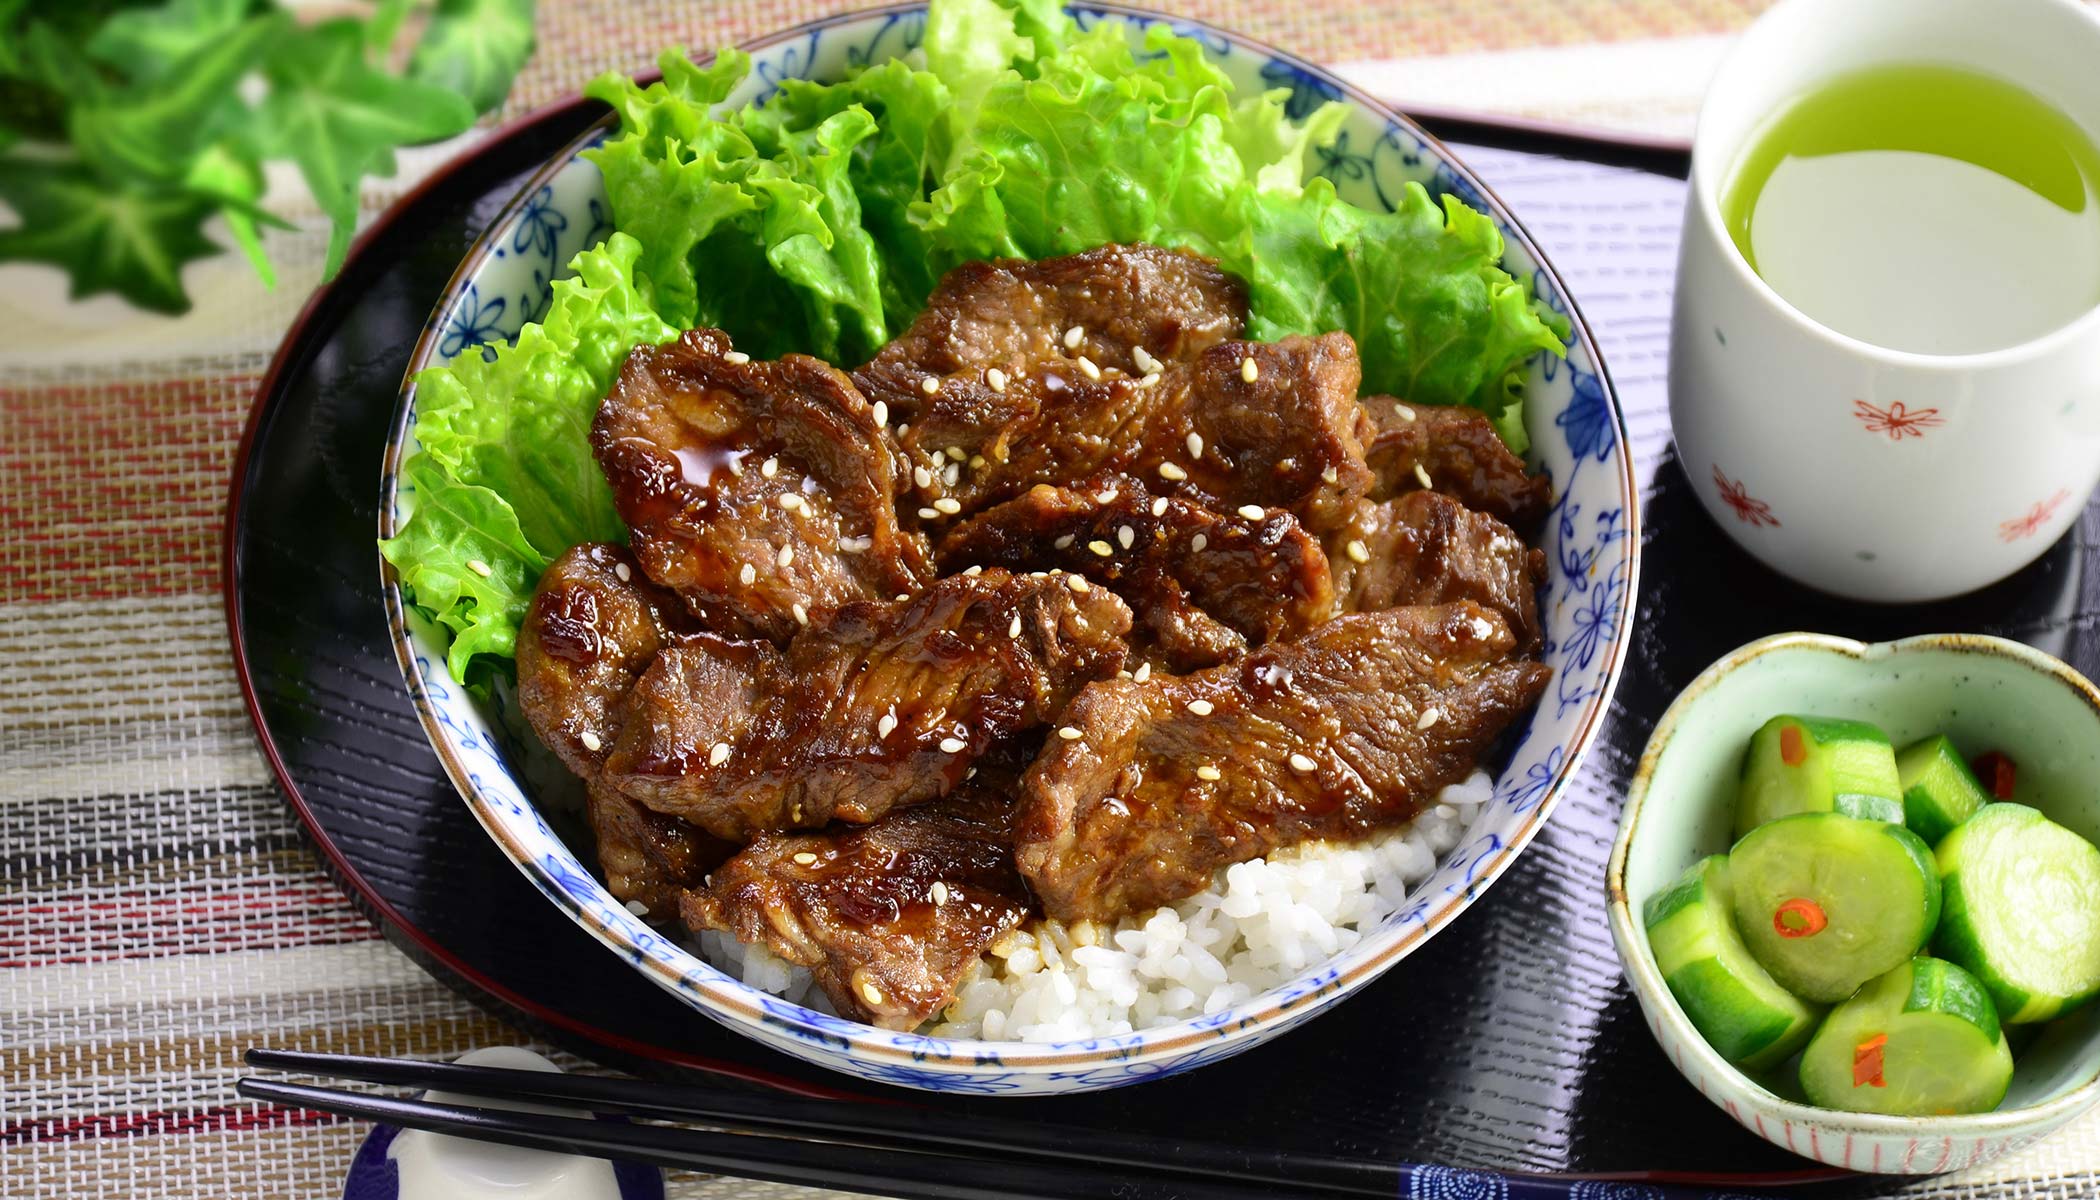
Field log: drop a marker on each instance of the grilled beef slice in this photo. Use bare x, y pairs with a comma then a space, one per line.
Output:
760, 492
1202, 585
1456, 448
889, 705
1427, 548
889, 917
1347, 730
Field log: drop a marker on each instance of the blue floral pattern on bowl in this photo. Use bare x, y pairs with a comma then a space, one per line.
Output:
1591, 540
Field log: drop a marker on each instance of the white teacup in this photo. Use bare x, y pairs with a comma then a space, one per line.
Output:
1875, 473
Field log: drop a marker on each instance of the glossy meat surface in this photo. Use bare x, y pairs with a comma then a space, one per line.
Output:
1012, 314
1202, 585
1345, 731
1458, 451
1274, 424
889, 917
1427, 548
888, 705
760, 492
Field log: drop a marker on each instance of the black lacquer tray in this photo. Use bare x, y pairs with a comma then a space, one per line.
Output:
1508, 1042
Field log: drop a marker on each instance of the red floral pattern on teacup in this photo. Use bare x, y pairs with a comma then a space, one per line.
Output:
2029, 523
1748, 509
1897, 420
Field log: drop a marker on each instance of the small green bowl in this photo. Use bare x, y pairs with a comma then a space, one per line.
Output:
1987, 694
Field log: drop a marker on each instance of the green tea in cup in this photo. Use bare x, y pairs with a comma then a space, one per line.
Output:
1922, 207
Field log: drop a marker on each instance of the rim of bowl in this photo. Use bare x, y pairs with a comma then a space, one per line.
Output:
1640, 967
731, 998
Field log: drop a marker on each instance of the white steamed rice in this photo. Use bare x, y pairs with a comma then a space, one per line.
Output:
1258, 925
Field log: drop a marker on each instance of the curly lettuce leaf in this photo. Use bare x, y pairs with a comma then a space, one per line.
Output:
504, 477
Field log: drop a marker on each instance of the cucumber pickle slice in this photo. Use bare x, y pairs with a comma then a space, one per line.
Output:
1737, 1007
2022, 910
1939, 790
1818, 764
1920, 1040
1826, 902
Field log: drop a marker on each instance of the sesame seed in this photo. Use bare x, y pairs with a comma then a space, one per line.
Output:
636, 907
938, 893
1159, 507
1423, 476
1144, 360
1149, 380
928, 514
1144, 672
1405, 413
479, 567
1198, 542
1200, 707
977, 462
1302, 764
718, 755
801, 615
901, 597
736, 465
1172, 472
1253, 512
974, 570
951, 474
791, 502
1357, 553
956, 453
1249, 370
948, 504
769, 468
922, 477
881, 410
786, 557
1430, 716
929, 385
590, 741
1331, 475
1195, 444
871, 993
1064, 542
1013, 627
903, 427
995, 379
621, 570
1077, 583
886, 725
1070, 733
1100, 548
1125, 536
952, 745
806, 858
747, 576
736, 358
1209, 774
1073, 336
1087, 368
1107, 496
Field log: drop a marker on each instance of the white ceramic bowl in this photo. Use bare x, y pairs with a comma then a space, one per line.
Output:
1985, 693
1591, 541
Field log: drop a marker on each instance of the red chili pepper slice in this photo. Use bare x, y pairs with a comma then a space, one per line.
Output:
1799, 918
1791, 751
1997, 773
1866, 1062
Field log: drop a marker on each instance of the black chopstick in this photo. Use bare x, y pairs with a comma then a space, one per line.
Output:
773, 1159
875, 1126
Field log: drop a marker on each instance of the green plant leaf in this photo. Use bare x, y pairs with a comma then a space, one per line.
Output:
108, 238
338, 118
147, 43
385, 22
156, 129
475, 48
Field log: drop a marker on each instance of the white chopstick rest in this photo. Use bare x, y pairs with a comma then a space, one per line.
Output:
410, 1164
